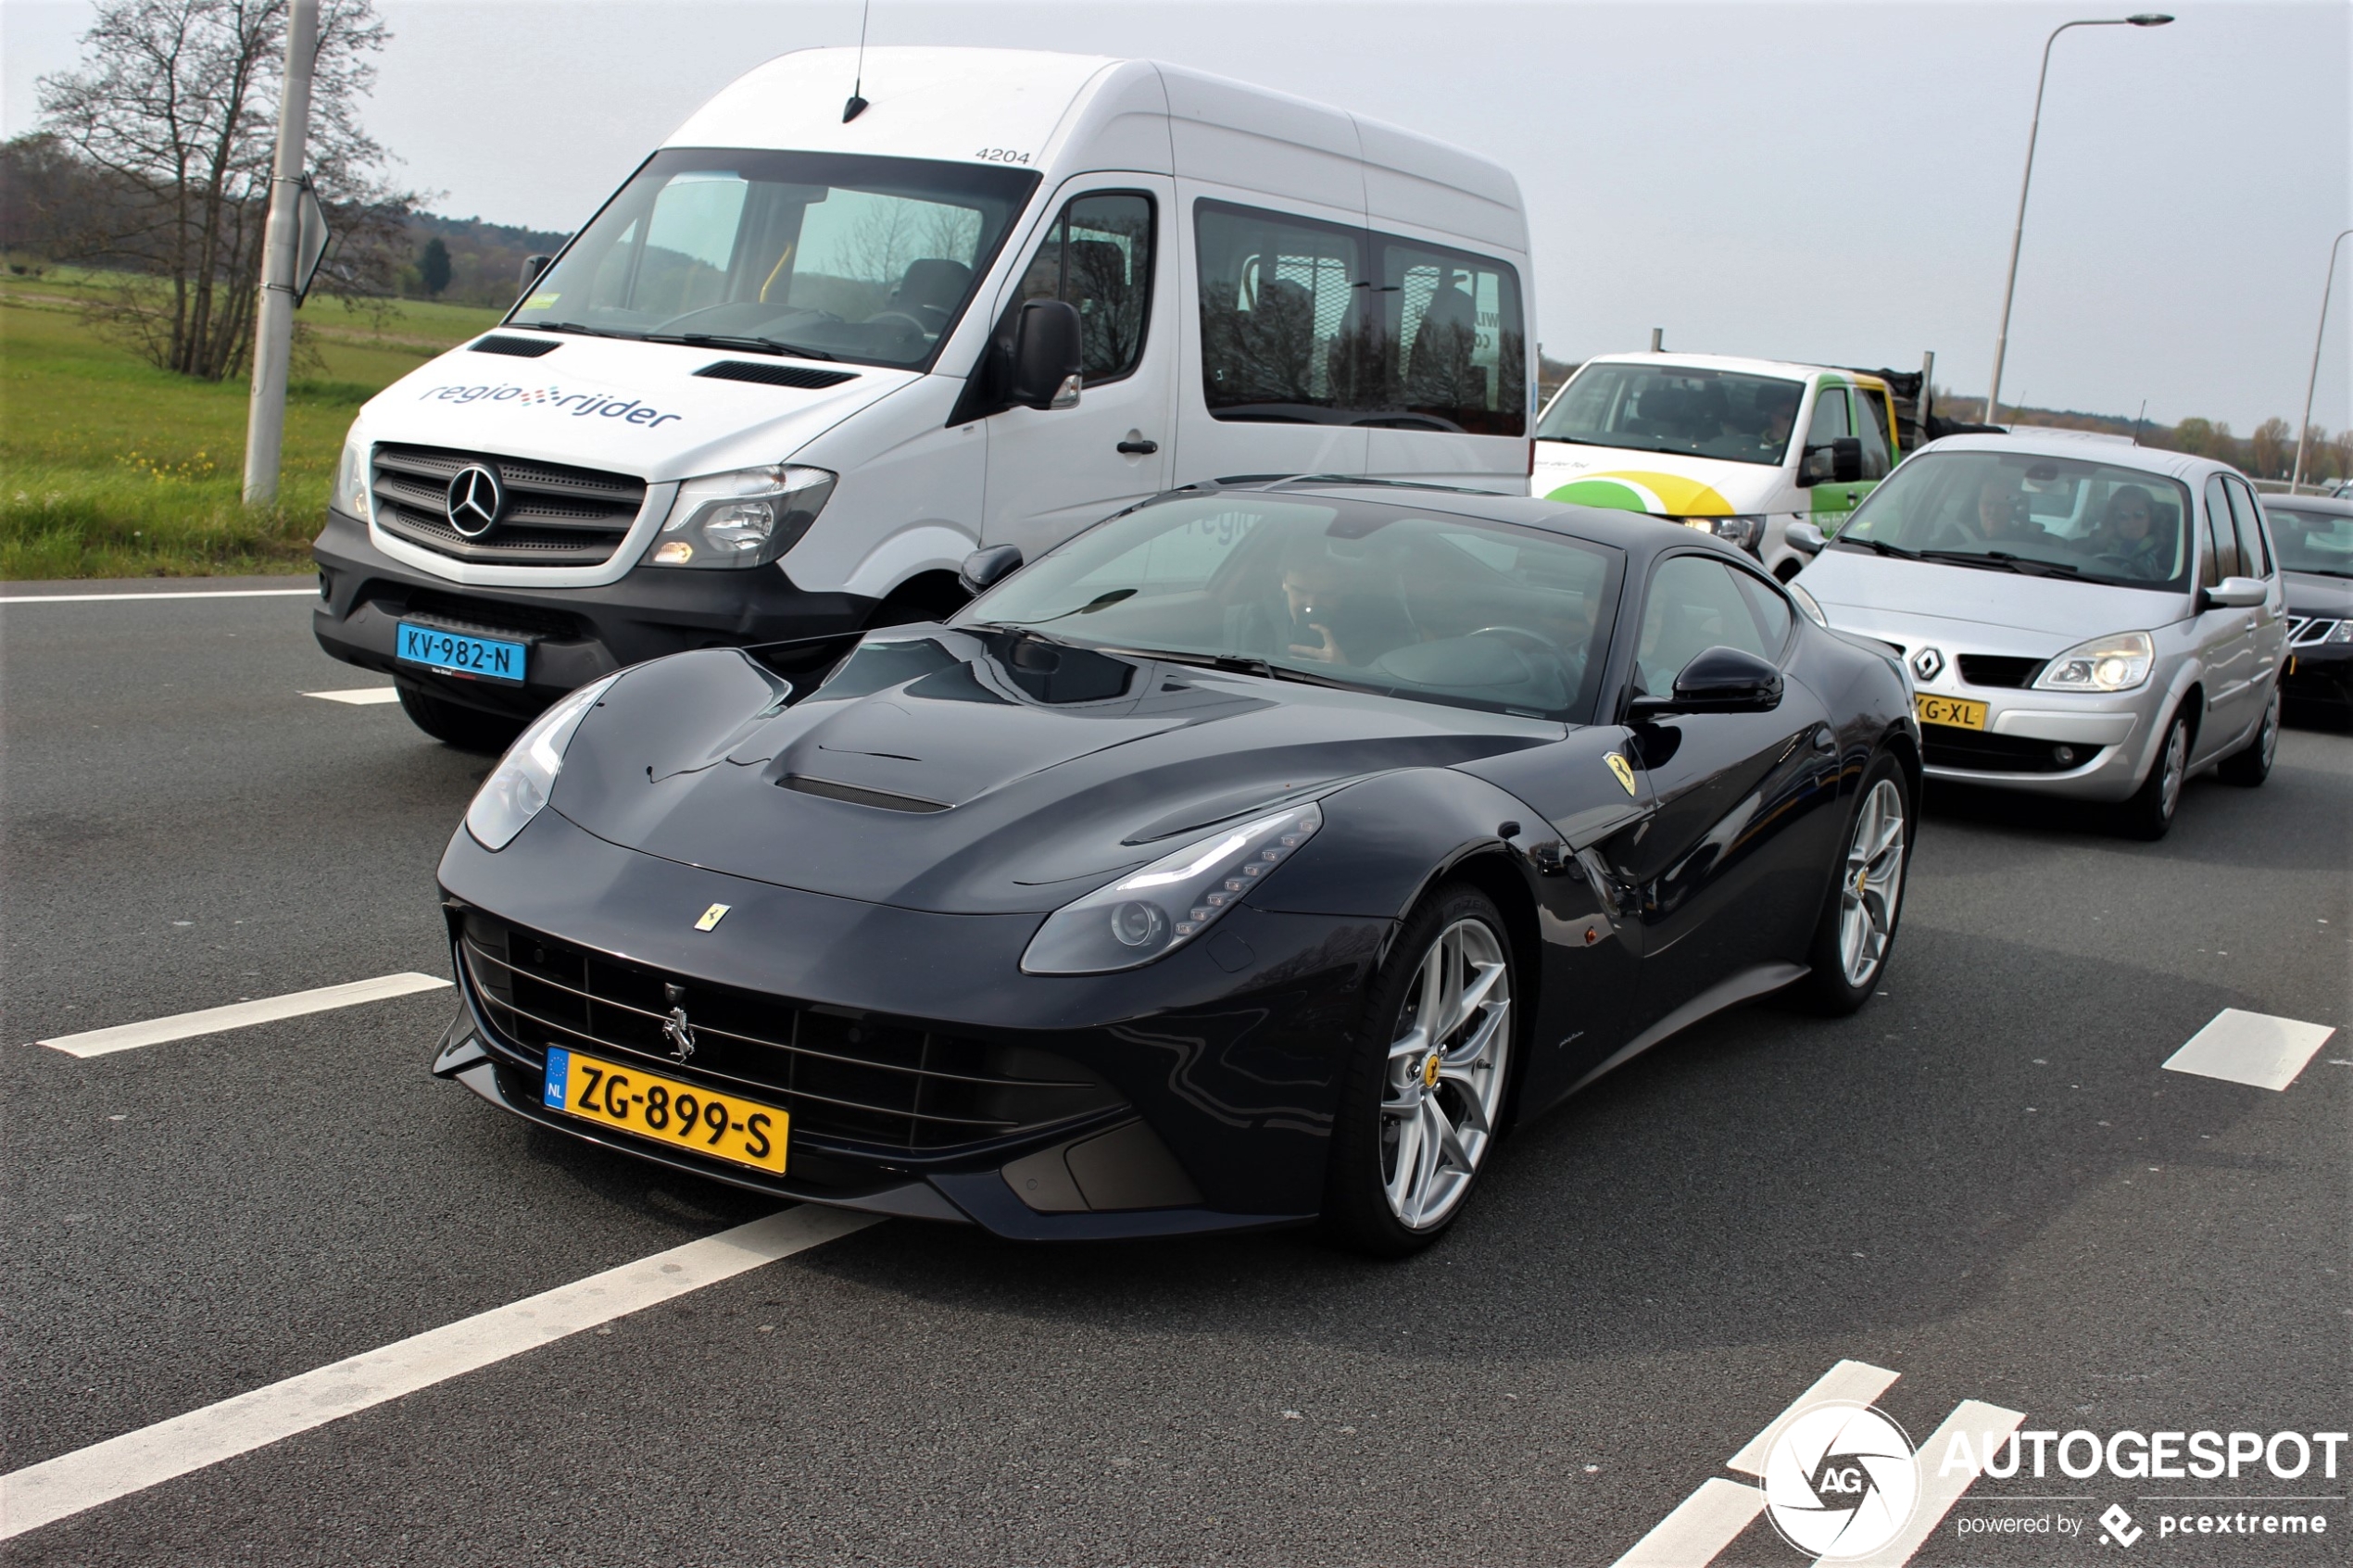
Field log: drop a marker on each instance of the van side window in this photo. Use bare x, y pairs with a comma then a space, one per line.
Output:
2221, 536
1302, 320
1872, 426
1099, 257
2255, 556
1280, 335
1831, 420
1454, 346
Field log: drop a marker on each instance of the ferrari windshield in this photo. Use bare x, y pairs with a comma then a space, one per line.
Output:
2311, 540
835, 255
1382, 597
2035, 515
1678, 409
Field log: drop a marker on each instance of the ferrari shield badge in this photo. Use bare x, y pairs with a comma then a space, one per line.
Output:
718, 912
1624, 770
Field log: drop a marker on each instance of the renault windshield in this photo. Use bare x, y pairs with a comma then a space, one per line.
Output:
827, 255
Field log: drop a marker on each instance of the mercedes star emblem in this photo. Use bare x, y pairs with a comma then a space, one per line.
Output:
475, 500
1926, 663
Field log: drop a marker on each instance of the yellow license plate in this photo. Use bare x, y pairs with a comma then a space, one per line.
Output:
1959, 712
683, 1115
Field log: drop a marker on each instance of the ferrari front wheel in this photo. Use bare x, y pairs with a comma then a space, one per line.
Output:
1425, 1093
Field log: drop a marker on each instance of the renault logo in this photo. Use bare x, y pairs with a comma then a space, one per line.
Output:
475, 500
1927, 663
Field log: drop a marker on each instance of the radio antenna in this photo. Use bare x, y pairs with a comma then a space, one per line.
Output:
857, 105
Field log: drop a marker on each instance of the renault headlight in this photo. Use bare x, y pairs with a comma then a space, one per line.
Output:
1150, 913
1744, 531
747, 518
520, 785
2115, 663
350, 496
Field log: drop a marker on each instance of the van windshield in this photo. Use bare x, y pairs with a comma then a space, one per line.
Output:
1678, 409
2035, 515
830, 255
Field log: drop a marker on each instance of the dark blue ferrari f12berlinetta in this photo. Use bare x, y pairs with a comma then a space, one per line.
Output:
1260, 856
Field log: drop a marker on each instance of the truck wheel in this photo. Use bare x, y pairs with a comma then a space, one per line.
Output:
465, 729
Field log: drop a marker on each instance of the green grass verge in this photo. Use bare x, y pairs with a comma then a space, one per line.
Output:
109, 468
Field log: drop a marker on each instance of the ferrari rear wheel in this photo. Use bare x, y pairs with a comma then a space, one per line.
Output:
1426, 1091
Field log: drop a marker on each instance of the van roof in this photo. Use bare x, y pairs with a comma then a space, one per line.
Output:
1062, 114
1733, 362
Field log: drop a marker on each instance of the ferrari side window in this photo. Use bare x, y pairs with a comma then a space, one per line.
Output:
1695, 604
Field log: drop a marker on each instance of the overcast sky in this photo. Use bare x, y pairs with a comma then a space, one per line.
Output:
1813, 182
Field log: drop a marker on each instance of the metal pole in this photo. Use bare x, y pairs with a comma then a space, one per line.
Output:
2018, 230
2304, 426
274, 325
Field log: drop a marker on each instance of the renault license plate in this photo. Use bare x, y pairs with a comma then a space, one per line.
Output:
1957, 712
454, 653
667, 1110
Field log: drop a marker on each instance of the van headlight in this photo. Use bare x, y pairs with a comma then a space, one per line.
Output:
518, 788
1150, 913
747, 518
1744, 531
2115, 663
350, 496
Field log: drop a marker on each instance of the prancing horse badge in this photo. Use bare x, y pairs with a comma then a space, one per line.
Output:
1625, 773
718, 912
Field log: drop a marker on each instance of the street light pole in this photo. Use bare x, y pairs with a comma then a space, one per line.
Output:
2304, 427
2017, 231
273, 318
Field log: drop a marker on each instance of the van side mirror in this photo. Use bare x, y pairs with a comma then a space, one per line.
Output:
1718, 680
1046, 355
1838, 462
2236, 592
532, 267
1804, 538
983, 569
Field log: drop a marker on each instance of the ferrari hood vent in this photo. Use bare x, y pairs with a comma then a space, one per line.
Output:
807, 377
857, 794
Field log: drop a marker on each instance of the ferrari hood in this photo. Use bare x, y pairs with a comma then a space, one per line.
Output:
644, 409
930, 773
1876, 591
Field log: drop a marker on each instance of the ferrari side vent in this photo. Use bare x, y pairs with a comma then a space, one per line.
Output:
807, 377
520, 347
881, 799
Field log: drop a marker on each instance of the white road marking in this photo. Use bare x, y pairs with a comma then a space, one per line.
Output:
118, 598
1702, 1526
237, 1015
54, 1489
1986, 1425
2250, 1047
360, 697
1857, 1382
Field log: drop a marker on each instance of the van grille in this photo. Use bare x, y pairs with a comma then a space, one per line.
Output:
850, 1078
554, 515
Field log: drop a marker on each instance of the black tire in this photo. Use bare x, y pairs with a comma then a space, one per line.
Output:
465, 729
2148, 815
2251, 764
1369, 1137
935, 595
1833, 987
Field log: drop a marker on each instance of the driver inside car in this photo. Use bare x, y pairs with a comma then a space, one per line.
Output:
1337, 611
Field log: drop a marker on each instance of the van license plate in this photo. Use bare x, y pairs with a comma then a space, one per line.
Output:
454, 653
1959, 712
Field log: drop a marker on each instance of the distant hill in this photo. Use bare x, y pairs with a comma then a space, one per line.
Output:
486, 259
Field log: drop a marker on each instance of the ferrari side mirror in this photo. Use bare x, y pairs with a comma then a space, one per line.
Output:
1718, 680
983, 569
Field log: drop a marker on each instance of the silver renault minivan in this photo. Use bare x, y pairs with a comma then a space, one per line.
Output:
2082, 616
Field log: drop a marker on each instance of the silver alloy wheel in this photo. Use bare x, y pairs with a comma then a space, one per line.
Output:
1873, 883
2176, 763
2270, 738
1445, 1074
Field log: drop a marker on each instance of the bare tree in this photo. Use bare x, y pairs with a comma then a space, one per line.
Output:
2267, 449
174, 113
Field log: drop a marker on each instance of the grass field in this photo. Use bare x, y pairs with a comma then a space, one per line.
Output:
109, 468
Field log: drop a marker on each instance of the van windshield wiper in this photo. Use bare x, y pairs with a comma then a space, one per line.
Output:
2002, 560
581, 328
1896, 551
748, 345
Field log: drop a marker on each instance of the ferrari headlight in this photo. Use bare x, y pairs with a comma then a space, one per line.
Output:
1808, 603
1744, 531
352, 475
747, 518
520, 785
1152, 912
2115, 663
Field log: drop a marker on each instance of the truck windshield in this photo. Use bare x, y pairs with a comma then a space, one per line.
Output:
2034, 515
831, 254
1678, 409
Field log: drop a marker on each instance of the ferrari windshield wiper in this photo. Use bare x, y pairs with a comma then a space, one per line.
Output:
749, 345
2002, 560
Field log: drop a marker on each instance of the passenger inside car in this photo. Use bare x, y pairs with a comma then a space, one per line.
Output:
2128, 542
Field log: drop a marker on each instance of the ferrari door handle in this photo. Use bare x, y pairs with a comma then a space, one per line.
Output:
1138, 448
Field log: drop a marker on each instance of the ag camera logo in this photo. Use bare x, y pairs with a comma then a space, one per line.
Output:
1840, 1480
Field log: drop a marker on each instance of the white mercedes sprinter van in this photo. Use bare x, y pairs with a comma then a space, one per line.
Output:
821, 348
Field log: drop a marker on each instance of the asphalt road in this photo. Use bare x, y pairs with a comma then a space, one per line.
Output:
1983, 1181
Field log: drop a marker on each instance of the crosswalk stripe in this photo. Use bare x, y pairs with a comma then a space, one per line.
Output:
239, 1015
1987, 1426
1855, 1382
360, 696
125, 599
2255, 1048
1702, 1526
